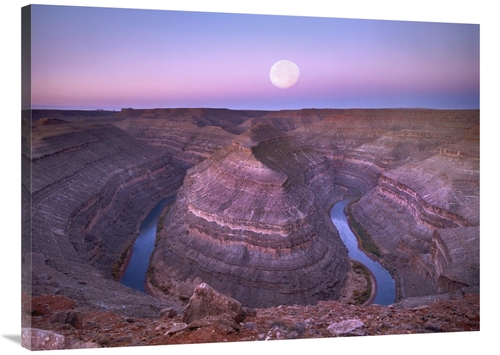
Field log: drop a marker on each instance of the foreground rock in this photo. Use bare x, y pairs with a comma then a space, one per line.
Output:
205, 302
446, 313
347, 327
39, 339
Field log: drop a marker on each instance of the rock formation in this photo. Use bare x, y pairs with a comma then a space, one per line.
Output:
418, 174
86, 185
250, 222
190, 135
251, 213
206, 302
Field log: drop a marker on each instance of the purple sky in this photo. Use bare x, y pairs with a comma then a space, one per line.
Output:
92, 58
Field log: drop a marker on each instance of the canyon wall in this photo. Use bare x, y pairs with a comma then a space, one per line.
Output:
418, 174
247, 222
251, 215
88, 188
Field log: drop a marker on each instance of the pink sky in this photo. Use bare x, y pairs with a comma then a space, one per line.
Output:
113, 58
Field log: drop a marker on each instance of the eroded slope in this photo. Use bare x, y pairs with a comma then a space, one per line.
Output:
94, 175
88, 186
418, 174
247, 222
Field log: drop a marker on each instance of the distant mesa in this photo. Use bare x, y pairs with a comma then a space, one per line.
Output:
50, 121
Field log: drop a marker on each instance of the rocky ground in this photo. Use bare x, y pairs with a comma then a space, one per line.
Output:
96, 329
58, 322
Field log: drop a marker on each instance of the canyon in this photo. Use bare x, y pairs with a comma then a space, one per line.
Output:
246, 221
253, 191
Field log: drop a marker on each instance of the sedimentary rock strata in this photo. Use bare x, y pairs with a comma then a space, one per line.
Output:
454, 255
418, 173
88, 185
191, 135
251, 217
437, 196
247, 222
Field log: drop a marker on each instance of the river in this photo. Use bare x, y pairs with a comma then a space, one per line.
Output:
386, 288
135, 273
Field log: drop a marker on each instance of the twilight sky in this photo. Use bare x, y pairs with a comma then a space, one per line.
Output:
90, 58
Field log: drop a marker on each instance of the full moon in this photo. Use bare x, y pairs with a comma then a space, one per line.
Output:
284, 74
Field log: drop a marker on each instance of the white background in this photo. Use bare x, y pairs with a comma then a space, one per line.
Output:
483, 12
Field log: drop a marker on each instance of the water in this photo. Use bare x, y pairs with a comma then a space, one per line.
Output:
135, 274
386, 288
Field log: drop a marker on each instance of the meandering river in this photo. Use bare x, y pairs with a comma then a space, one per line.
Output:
135, 273
386, 288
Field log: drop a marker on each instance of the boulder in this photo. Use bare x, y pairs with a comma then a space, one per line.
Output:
347, 327
206, 302
40, 339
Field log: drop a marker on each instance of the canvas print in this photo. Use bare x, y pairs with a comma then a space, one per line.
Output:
193, 177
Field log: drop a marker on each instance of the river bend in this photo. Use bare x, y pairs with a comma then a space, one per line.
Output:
136, 271
386, 288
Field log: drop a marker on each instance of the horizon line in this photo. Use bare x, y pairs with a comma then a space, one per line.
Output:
98, 109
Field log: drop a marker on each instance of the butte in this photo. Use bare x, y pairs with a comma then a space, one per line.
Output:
252, 222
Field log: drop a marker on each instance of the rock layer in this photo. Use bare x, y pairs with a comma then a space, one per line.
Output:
190, 135
247, 222
90, 177
88, 185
